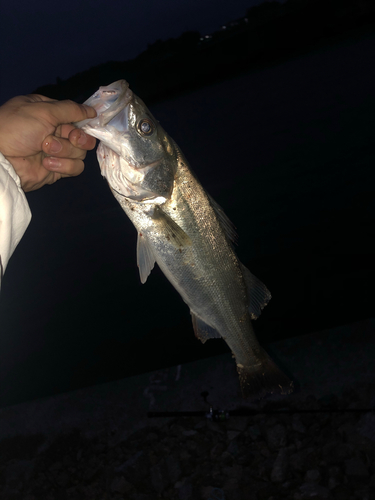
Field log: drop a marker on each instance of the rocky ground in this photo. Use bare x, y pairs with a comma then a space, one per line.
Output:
287, 452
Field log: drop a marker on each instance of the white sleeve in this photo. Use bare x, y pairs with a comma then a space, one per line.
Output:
15, 213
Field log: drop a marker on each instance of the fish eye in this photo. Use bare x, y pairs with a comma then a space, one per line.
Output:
146, 127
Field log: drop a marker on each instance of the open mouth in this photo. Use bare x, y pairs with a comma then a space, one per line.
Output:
108, 101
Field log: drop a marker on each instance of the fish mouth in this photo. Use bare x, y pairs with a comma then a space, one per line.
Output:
108, 101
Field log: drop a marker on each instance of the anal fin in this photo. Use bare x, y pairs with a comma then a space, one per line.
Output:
203, 331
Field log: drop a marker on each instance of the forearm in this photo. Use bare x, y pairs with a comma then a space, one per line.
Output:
15, 214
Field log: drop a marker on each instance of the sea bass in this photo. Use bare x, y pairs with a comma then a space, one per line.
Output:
183, 230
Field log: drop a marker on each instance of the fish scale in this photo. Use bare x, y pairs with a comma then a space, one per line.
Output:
183, 230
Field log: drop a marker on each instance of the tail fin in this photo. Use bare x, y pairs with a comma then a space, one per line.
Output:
264, 378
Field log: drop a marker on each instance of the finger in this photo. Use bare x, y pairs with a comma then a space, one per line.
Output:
64, 130
31, 172
38, 98
81, 140
50, 178
70, 111
67, 167
61, 148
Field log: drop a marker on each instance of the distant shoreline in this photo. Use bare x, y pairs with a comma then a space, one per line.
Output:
269, 34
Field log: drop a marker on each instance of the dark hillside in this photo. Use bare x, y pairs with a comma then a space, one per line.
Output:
268, 33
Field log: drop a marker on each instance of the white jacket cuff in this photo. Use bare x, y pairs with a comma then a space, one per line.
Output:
15, 213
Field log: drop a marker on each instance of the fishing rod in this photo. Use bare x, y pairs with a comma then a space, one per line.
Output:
218, 415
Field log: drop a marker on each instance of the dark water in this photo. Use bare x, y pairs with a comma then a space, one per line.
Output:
289, 154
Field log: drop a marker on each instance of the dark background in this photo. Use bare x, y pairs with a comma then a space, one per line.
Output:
278, 123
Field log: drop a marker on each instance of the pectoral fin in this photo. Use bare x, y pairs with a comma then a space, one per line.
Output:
203, 331
258, 293
145, 258
171, 231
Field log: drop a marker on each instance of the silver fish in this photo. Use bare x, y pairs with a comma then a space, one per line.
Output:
182, 229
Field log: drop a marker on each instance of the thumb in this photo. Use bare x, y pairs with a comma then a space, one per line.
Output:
70, 111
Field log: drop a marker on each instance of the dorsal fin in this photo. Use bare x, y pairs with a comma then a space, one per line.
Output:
203, 331
258, 293
227, 225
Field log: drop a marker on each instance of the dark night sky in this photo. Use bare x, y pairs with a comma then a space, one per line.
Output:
42, 40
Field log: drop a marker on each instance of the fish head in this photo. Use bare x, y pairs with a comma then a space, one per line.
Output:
135, 154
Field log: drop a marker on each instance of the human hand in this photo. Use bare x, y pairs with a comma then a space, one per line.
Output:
37, 137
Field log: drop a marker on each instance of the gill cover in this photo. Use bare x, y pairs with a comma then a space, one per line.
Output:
135, 154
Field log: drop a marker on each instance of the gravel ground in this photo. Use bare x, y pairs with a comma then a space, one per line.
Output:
317, 454
98, 444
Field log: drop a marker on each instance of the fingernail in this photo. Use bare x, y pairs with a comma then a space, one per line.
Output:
55, 146
82, 138
54, 163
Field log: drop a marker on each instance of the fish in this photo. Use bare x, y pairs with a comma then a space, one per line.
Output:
182, 229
